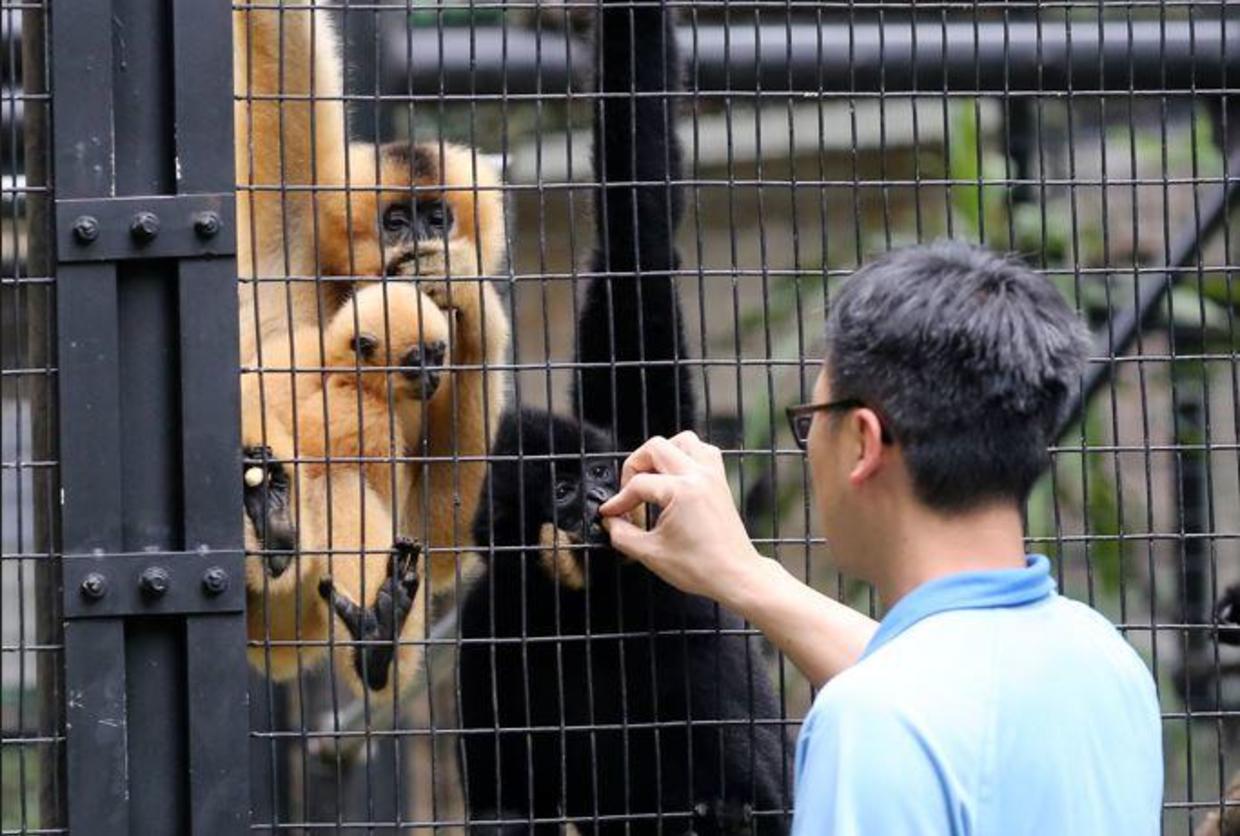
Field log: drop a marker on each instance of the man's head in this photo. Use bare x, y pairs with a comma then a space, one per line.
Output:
964, 359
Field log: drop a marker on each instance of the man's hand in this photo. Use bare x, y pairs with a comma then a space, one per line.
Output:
699, 543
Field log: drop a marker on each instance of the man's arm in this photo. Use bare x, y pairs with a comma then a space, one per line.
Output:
700, 545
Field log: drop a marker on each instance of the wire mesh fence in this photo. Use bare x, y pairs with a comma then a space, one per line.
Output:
31, 650
643, 209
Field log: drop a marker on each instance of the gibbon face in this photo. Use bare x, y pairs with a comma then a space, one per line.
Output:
396, 336
431, 214
567, 471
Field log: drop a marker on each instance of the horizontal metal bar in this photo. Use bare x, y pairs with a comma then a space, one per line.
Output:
986, 57
148, 226
153, 583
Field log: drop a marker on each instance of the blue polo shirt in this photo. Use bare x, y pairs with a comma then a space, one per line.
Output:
985, 704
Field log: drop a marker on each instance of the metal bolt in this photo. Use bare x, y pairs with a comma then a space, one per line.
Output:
144, 227
85, 229
206, 224
94, 586
214, 581
153, 581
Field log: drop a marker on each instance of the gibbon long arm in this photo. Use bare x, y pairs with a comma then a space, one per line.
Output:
290, 138
630, 311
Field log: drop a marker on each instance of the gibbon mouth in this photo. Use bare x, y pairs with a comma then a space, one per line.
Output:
396, 267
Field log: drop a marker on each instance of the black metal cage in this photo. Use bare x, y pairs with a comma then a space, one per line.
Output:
198, 198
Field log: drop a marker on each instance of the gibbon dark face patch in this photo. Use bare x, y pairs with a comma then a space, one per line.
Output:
421, 367
409, 223
578, 496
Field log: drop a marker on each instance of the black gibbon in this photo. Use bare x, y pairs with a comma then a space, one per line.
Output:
318, 218
649, 710
1227, 615
382, 356
590, 690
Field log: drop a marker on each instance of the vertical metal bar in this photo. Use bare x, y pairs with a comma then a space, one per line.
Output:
217, 686
155, 704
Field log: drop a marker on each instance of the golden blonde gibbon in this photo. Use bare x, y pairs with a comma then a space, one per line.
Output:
319, 217
355, 412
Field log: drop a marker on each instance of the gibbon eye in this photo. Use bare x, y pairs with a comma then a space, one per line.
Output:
600, 471
563, 489
435, 216
397, 217
364, 345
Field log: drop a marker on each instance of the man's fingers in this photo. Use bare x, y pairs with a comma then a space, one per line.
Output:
644, 487
696, 449
628, 539
658, 455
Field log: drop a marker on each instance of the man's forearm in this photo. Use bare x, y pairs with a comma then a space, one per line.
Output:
820, 635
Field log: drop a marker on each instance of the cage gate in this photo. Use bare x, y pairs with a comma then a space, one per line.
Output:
158, 157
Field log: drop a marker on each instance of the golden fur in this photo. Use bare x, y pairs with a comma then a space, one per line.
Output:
353, 415
308, 210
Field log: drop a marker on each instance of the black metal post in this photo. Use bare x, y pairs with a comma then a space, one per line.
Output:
153, 587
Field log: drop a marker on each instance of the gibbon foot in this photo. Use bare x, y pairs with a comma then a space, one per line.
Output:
267, 505
378, 625
1227, 616
422, 365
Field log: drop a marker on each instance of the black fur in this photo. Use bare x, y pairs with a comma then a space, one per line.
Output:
654, 656
377, 627
1227, 615
623, 319
634, 706
268, 509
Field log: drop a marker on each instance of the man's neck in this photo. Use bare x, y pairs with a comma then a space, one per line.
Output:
925, 545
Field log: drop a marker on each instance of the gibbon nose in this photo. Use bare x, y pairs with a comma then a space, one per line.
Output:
420, 366
598, 494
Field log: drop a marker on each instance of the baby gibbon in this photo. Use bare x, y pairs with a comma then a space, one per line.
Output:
357, 392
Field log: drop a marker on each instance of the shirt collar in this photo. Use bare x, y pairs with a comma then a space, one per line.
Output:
985, 589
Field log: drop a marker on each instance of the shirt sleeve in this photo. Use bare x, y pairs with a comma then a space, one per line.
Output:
863, 769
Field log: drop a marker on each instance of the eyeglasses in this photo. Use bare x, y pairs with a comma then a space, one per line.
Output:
801, 418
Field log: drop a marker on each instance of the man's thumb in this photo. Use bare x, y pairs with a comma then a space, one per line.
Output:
627, 538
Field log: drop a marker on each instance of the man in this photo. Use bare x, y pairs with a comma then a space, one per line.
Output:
983, 703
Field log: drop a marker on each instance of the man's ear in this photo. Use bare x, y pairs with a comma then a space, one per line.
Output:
867, 433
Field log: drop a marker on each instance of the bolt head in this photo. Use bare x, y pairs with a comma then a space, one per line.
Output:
86, 229
214, 581
94, 586
206, 224
144, 227
153, 581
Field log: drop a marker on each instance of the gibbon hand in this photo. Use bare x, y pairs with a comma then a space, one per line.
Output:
699, 543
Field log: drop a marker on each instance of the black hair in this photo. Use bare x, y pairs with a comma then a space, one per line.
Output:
967, 357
